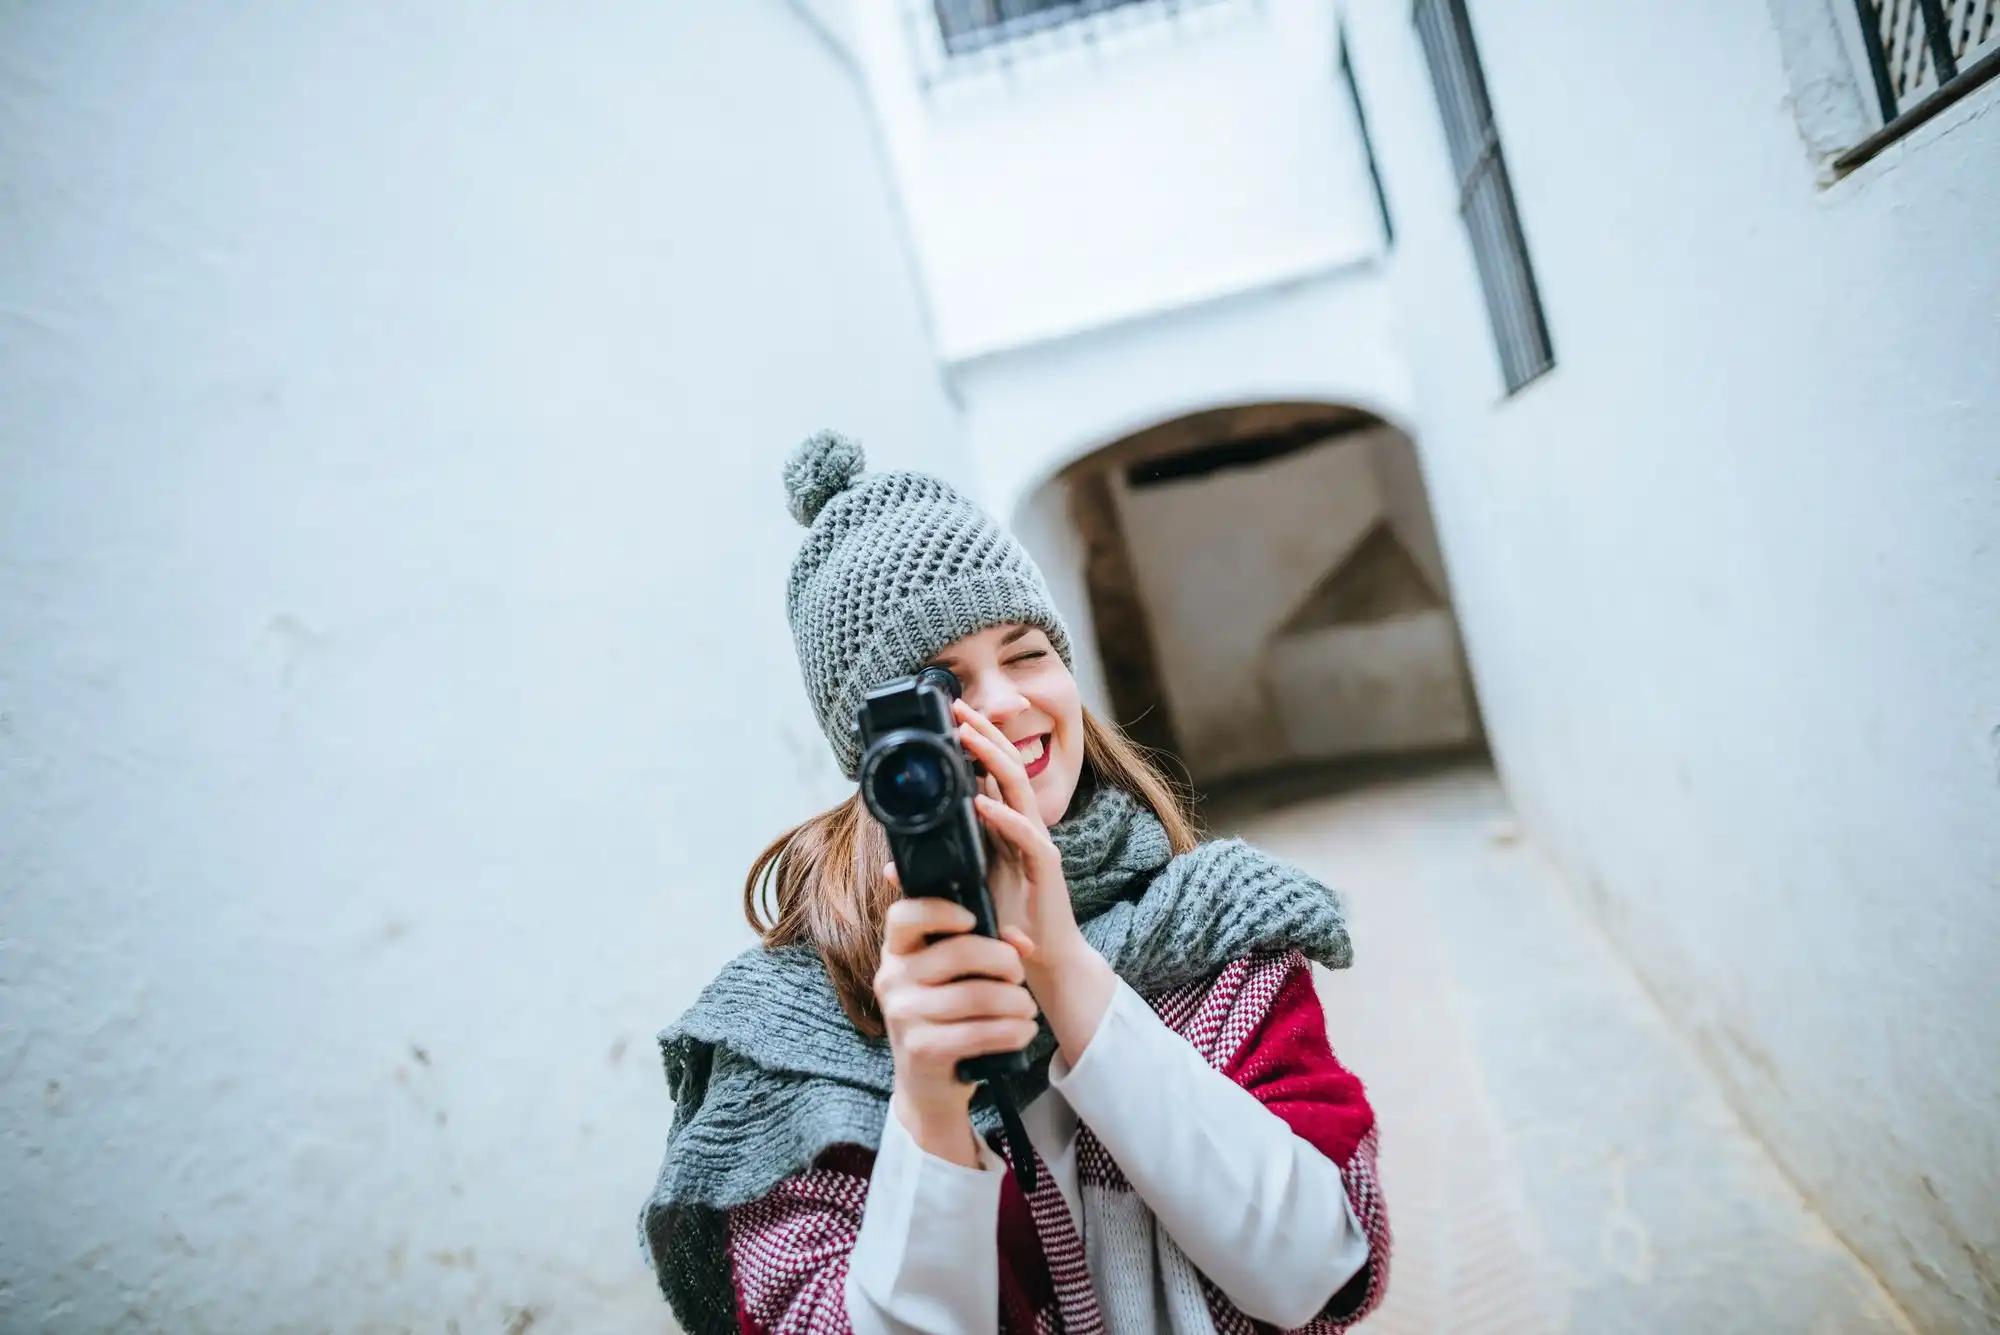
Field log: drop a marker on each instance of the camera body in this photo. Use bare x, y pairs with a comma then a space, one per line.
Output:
917, 780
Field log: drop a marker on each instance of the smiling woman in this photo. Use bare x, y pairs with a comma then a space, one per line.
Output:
1130, 959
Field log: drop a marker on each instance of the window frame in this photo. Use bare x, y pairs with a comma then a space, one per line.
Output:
1486, 201
1345, 65
946, 51
1000, 28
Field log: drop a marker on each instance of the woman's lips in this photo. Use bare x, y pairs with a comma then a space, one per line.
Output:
1041, 761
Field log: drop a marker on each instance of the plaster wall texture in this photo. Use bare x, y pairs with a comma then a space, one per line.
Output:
1156, 166
1406, 503
390, 411
1729, 576
1032, 412
1390, 685
1221, 561
1044, 527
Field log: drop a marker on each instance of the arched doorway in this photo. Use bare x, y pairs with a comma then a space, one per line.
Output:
1267, 590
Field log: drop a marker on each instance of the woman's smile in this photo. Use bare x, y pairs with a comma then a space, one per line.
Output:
1035, 753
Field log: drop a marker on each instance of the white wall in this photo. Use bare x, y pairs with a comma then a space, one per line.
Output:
1221, 561
1044, 526
1032, 412
1392, 685
1730, 576
394, 682
1168, 161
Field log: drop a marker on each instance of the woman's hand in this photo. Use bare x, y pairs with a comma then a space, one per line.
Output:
946, 994
1025, 872
1030, 894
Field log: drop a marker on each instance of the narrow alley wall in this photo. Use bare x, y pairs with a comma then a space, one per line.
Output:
396, 682
1730, 574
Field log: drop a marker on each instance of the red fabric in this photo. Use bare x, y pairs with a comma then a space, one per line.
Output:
1289, 1065
788, 1250
1258, 1021
1025, 1284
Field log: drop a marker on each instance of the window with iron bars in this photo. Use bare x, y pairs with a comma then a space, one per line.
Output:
1922, 55
1485, 194
974, 25
954, 39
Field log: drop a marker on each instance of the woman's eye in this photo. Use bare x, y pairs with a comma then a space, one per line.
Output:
1031, 654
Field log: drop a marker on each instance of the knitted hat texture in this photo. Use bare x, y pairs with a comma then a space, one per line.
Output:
897, 566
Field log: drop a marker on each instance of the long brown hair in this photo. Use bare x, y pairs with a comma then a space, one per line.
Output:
821, 881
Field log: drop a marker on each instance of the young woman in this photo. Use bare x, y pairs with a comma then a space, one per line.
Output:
1201, 1163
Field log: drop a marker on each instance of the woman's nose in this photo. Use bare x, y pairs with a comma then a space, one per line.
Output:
995, 697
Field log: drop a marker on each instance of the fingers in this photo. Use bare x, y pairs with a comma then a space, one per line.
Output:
1024, 945
964, 956
932, 941
948, 1044
946, 992
1021, 835
1000, 756
965, 713
912, 922
968, 999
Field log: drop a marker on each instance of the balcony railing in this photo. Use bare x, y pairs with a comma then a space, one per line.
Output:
1923, 55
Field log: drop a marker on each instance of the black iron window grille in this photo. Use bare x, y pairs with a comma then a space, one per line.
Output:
974, 25
1923, 55
1485, 194
954, 38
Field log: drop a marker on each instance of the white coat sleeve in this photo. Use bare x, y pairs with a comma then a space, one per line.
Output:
1262, 1213
927, 1259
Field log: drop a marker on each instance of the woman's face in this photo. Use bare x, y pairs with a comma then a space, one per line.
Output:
1013, 675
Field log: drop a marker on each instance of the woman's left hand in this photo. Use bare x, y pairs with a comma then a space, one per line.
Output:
1024, 873
1071, 981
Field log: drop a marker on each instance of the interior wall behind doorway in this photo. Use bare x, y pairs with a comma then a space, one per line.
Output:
1199, 582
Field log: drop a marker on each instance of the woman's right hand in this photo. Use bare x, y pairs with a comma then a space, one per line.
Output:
946, 994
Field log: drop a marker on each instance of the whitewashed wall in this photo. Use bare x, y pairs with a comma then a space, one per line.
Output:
1221, 562
1035, 410
1167, 162
1045, 526
1730, 574
394, 683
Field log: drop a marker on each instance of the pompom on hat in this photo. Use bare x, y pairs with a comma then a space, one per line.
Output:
895, 567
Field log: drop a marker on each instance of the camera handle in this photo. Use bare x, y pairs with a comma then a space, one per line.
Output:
990, 1069
987, 1070
980, 1070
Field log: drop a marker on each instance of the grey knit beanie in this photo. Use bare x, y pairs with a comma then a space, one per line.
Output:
897, 566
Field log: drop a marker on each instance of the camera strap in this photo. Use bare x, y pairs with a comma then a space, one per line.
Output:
1019, 1149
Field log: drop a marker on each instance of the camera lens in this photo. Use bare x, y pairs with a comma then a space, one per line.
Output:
908, 784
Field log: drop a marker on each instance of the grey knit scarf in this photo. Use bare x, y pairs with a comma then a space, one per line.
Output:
766, 1072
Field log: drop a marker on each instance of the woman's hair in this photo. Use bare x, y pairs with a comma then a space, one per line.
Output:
824, 883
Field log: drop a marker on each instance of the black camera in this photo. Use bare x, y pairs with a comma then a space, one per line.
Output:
918, 781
